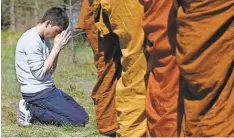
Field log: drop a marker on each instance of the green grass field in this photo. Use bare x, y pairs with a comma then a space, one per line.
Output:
76, 79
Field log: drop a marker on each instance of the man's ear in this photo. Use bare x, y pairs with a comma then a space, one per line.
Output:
47, 23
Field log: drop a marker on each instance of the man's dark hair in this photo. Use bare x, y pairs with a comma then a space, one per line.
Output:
57, 16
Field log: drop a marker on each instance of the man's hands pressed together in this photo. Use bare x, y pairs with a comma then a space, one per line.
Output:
59, 43
61, 39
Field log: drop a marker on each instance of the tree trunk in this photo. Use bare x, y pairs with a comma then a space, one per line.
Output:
71, 27
36, 12
12, 16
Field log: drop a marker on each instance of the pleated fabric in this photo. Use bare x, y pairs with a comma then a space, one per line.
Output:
123, 18
205, 56
107, 57
159, 23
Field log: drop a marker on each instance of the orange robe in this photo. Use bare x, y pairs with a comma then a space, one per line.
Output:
123, 17
107, 56
205, 55
163, 81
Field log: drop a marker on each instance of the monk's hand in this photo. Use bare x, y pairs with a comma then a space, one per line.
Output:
61, 39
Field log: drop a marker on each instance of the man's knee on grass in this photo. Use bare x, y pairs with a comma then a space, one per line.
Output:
80, 121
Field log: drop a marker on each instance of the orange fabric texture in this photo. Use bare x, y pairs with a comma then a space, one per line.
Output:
83, 11
205, 56
163, 81
107, 60
109, 70
123, 18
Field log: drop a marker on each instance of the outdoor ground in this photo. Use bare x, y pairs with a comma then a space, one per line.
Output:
76, 79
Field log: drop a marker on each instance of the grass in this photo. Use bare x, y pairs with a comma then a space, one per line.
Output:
76, 79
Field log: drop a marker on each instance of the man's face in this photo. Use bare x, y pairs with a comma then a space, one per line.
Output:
52, 30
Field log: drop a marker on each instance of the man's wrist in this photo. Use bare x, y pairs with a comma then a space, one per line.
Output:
56, 49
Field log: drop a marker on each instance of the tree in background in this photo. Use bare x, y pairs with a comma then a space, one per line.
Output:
20, 15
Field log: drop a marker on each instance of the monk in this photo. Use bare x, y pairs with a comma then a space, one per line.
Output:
205, 54
163, 73
107, 56
123, 17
